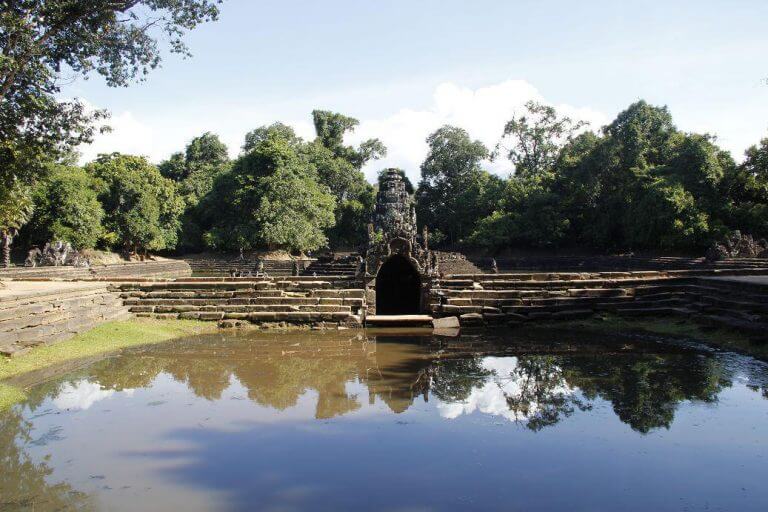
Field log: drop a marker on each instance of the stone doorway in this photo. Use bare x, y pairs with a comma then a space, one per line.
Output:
398, 288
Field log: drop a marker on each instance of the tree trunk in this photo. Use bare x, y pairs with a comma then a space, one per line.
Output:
6, 251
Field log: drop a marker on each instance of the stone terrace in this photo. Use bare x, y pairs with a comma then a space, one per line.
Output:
736, 298
294, 300
162, 268
35, 313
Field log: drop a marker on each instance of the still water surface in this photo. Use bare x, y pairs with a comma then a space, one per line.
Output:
541, 420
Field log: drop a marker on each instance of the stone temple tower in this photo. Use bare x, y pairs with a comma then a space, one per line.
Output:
397, 265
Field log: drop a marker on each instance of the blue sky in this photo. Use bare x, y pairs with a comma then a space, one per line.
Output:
406, 67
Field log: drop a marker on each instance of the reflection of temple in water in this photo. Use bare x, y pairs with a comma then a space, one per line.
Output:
644, 382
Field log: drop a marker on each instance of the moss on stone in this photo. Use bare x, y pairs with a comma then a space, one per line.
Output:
102, 339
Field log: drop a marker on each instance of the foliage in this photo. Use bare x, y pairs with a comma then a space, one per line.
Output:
270, 198
66, 208
339, 167
41, 41
529, 215
746, 190
536, 138
454, 192
142, 207
195, 171
16, 205
640, 184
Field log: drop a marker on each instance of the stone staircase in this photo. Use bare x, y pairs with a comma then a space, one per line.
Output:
34, 314
346, 266
727, 302
616, 263
223, 267
295, 300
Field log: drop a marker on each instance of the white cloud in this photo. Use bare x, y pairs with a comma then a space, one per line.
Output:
482, 112
80, 396
491, 397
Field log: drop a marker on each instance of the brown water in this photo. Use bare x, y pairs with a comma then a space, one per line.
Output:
544, 420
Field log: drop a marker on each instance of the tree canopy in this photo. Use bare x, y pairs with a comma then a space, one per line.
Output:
142, 208
42, 41
270, 198
455, 192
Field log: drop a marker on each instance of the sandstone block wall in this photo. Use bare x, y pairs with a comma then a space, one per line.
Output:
295, 300
165, 268
47, 316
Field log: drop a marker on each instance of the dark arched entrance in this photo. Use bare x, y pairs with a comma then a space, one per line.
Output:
398, 288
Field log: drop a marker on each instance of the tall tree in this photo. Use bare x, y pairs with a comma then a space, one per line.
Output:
453, 193
532, 141
340, 168
142, 207
195, 171
66, 208
271, 198
42, 42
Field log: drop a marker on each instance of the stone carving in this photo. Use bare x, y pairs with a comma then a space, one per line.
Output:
736, 245
56, 254
394, 230
33, 257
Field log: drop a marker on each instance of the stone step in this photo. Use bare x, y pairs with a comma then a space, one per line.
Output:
276, 308
298, 317
353, 301
398, 320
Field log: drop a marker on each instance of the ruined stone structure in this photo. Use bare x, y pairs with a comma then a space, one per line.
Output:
397, 265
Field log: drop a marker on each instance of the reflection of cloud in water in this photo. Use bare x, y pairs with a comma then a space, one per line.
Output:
505, 383
81, 395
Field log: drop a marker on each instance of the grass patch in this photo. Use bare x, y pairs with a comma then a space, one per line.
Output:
10, 395
676, 327
102, 339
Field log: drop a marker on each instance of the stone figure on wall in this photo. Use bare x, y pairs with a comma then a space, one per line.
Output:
736, 245
6, 239
34, 256
56, 254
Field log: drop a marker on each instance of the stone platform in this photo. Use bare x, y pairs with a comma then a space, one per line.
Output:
36, 313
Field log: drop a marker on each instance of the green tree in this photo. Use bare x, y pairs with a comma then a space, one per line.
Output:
195, 171
643, 185
339, 167
270, 199
40, 41
745, 188
66, 208
204, 153
142, 207
533, 141
454, 191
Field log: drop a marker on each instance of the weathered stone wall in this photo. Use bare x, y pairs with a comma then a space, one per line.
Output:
224, 265
735, 298
164, 268
609, 263
53, 312
294, 300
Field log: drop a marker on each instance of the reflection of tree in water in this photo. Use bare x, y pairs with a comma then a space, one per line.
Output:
646, 390
23, 484
533, 387
274, 373
454, 379
544, 397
